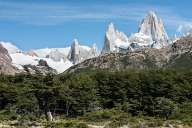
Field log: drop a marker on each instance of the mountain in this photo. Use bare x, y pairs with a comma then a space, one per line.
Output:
140, 40
113, 40
6, 66
150, 47
10, 47
151, 34
79, 53
182, 49
57, 59
153, 26
45, 52
179, 55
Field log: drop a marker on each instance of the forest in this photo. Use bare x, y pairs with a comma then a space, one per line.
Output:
98, 95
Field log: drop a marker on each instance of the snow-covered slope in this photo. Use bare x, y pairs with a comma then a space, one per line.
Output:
46, 51
56, 58
141, 39
19, 59
10, 47
80, 52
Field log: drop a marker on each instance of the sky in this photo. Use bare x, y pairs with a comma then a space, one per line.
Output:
34, 24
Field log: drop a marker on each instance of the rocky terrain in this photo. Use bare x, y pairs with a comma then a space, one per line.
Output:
178, 55
7, 67
41, 68
5, 62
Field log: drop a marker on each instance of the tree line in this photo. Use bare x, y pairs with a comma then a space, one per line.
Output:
158, 93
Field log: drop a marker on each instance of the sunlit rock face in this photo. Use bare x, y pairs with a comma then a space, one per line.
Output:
153, 27
6, 62
114, 39
79, 53
151, 34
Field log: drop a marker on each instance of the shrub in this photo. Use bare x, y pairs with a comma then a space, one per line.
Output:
102, 115
164, 107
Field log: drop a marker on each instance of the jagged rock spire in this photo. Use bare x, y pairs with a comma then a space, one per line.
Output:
109, 37
153, 26
113, 39
93, 51
74, 53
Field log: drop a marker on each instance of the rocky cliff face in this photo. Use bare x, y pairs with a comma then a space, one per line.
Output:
6, 62
113, 40
74, 54
41, 68
80, 53
151, 34
153, 26
7, 67
178, 56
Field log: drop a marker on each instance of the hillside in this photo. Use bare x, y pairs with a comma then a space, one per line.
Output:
178, 55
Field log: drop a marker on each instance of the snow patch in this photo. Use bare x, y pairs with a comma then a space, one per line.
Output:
10, 47
19, 59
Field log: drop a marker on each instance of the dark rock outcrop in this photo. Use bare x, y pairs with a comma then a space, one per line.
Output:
42, 63
6, 62
41, 68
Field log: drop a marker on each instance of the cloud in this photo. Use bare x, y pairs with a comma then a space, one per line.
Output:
185, 28
51, 14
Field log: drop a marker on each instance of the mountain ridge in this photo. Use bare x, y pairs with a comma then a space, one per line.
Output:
150, 46
176, 56
151, 34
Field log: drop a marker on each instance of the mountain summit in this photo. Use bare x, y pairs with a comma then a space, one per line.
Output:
114, 39
151, 41
151, 34
153, 26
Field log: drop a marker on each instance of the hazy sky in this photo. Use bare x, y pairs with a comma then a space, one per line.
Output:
32, 24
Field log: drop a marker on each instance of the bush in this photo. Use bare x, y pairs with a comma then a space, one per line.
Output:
6, 115
101, 115
183, 113
118, 121
164, 107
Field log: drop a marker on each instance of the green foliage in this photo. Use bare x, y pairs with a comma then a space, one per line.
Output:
102, 115
183, 112
95, 94
164, 107
118, 121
